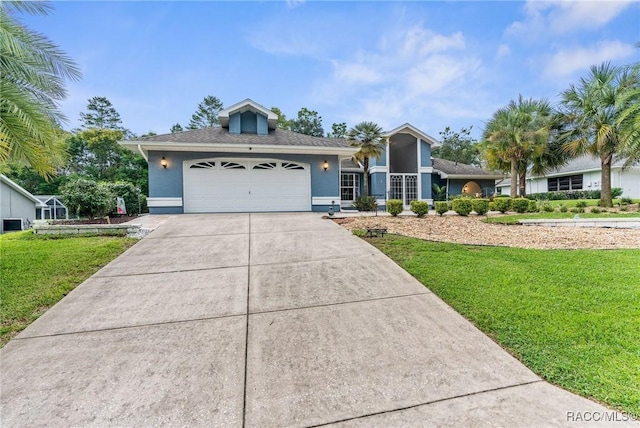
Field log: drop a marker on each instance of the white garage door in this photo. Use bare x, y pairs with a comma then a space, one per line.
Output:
241, 185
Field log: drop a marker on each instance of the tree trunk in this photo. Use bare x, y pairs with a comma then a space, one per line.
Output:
523, 184
605, 180
365, 185
514, 178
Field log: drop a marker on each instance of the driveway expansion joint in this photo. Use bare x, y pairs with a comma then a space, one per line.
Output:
97, 275
324, 305
426, 403
126, 327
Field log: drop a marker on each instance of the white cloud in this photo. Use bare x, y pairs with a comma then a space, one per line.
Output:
503, 51
565, 16
411, 75
568, 61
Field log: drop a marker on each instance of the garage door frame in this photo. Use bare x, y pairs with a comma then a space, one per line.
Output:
252, 195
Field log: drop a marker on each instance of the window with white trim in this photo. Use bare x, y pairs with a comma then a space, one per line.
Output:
570, 182
349, 186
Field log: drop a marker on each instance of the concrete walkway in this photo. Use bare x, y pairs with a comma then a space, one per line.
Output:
265, 320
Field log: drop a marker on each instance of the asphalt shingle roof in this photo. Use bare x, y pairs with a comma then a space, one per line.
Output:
452, 168
219, 135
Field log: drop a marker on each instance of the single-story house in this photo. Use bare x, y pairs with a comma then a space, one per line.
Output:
54, 210
17, 206
582, 173
248, 164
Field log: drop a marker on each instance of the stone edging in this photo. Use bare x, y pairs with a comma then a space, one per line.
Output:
68, 229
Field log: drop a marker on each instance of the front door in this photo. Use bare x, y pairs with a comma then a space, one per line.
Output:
404, 187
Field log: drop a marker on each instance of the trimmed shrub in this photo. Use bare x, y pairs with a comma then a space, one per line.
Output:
492, 206
88, 198
563, 208
365, 203
442, 207
581, 204
480, 206
462, 206
626, 201
573, 194
533, 207
520, 205
502, 204
420, 208
546, 207
394, 207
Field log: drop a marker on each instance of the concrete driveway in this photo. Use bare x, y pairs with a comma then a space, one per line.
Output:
265, 320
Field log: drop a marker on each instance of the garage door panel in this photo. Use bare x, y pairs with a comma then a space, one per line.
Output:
261, 185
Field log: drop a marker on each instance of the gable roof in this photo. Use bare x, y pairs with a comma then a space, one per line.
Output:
22, 191
407, 128
449, 169
219, 139
247, 105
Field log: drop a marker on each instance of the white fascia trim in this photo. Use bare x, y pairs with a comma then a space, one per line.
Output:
325, 200
415, 132
164, 202
425, 170
375, 169
472, 177
243, 148
22, 191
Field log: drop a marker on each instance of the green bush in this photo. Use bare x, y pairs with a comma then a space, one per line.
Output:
492, 206
581, 204
533, 206
420, 208
576, 210
595, 210
563, 208
573, 194
462, 206
394, 207
626, 201
616, 192
129, 193
480, 206
502, 204
547, 207
442, 207
365, 203
520, 205
88, 198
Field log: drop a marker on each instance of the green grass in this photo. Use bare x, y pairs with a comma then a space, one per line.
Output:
572, 316
37, 271
513, 218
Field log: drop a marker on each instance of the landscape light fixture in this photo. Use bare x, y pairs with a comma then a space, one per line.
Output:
325, 165
163, 162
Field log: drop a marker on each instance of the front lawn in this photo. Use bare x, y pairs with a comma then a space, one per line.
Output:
513, 218
39, 270
572, 316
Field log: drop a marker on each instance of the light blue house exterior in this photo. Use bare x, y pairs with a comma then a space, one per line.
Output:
246, 164
249, 165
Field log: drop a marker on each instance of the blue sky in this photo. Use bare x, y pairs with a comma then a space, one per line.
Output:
432, 64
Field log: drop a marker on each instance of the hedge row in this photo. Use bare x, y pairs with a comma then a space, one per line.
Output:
572, 194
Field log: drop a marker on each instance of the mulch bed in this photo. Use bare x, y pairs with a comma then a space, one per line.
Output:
112, 220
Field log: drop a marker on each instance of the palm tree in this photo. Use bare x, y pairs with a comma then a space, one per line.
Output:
629, 118
32, 73
367, 136
517, 137
596, 124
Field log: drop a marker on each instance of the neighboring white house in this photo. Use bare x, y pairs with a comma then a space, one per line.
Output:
582, 173
55, 209
17, 206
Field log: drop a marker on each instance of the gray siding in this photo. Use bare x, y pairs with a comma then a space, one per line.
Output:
14, 204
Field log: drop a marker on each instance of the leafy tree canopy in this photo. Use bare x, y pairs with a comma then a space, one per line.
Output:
338, 130
101, 114
176, 128
309, 122
458, 147
206, 114
283, 122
